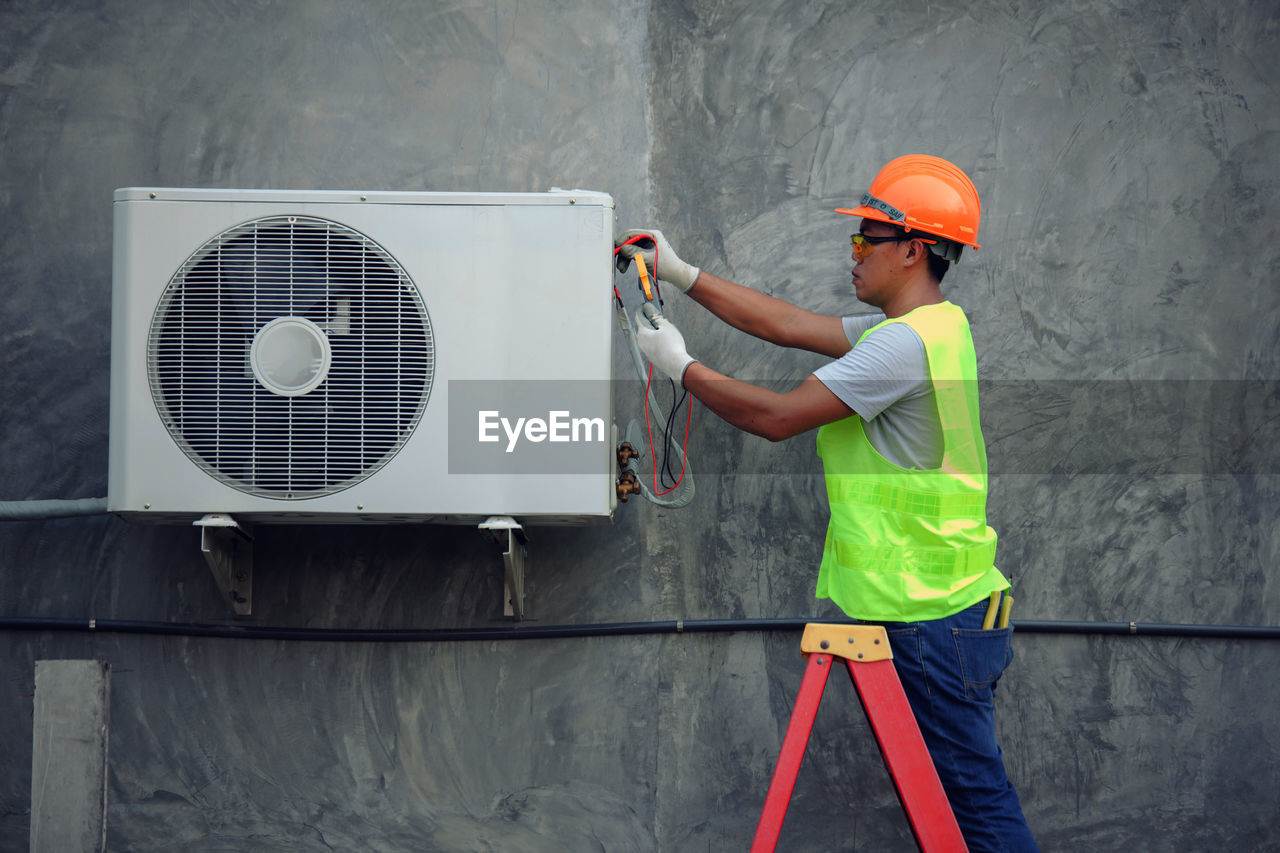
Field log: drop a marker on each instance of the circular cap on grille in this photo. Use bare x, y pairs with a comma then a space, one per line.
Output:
290, 357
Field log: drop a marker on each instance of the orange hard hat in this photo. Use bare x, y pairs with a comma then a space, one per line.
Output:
919, 191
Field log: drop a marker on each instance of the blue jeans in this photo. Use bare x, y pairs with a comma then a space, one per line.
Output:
949, 668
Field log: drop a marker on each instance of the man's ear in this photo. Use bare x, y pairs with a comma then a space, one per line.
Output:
916, 251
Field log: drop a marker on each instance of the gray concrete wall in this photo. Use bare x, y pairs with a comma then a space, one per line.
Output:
69, 749
1125, 306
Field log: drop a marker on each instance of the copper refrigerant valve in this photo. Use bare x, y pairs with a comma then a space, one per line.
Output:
626, 452
627, 486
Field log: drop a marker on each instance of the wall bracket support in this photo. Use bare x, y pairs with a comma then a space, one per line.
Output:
228, 549
508, 532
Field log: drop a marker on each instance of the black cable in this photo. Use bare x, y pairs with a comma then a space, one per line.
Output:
1150, 629
666, 437
605, 629
666, 478
671, 423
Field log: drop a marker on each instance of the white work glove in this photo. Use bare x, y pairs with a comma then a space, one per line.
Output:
669, 266
664, 346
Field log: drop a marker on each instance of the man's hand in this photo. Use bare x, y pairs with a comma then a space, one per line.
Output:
668, 266
664, 346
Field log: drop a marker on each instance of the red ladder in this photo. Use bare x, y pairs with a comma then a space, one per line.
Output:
864, 649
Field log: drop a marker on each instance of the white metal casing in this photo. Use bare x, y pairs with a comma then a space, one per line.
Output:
516, 286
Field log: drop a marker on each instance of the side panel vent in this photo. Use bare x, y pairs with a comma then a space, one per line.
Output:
290, 357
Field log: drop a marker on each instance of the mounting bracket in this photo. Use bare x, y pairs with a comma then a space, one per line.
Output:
508, 532
228, 549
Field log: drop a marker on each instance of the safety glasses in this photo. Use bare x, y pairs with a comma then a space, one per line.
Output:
864, 243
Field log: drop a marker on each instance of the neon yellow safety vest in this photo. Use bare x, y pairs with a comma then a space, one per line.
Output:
907, 545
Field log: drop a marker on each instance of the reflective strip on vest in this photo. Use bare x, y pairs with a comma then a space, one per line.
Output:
949, 562
851, 490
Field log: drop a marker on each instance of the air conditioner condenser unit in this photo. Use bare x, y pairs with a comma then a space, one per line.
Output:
321, 356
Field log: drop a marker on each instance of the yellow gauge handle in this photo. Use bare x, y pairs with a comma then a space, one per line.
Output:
644, 276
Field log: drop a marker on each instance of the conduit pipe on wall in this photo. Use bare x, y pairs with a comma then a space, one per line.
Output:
605, 629
58, 508
70, 508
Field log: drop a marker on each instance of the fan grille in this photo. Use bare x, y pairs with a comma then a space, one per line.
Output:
301, 445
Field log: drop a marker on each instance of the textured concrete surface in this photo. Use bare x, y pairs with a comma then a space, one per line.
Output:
1125, 310
69, 747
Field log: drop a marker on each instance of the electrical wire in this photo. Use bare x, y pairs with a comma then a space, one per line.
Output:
666, 439
524, 631
671, 419
655, 496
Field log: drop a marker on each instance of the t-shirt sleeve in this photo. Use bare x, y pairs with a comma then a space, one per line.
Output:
856, 326
888, 366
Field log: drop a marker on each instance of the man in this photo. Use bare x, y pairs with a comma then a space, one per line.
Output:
907, 545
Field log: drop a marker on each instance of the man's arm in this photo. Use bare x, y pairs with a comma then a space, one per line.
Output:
747, 310
762, 412
769, 318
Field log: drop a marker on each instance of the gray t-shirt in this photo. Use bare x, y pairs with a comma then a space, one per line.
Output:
885, 380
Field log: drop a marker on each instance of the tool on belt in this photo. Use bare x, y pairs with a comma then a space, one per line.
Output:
999, 609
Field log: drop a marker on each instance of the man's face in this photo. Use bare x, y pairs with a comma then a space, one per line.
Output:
873, 274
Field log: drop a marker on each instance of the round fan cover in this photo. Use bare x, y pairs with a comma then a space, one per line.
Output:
290, 357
